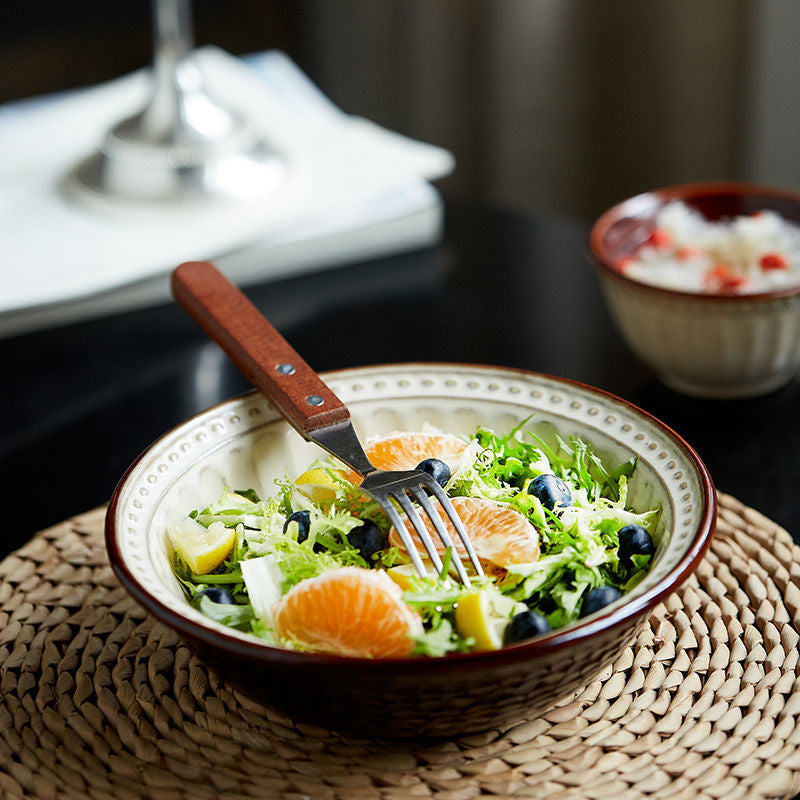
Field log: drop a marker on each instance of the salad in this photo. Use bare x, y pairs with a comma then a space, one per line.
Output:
318, 566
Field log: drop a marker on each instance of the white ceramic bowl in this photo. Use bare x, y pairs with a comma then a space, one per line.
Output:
244, 443
716, 346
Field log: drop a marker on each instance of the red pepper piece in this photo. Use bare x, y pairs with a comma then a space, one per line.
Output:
659, 239
624, 264
773, 261
724, 278
683, 253
718, 272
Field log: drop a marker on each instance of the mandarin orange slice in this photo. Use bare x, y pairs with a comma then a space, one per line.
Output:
500, 535
349, 611
403, 450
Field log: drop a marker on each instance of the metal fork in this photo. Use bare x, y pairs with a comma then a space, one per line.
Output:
307, 403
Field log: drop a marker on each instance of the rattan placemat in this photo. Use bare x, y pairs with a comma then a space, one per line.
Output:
99, 700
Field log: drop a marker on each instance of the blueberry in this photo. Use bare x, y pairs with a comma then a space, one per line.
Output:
368, 539
217, 595
437, 469
524, 625
551, 490
634, 540
303, 522
599, 598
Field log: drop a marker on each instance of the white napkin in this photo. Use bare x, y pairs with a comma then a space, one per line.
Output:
53, 250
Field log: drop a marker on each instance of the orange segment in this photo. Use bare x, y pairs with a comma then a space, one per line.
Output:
500, 535
349, 611
403, 450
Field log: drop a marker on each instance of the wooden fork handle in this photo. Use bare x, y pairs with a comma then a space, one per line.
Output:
256, 348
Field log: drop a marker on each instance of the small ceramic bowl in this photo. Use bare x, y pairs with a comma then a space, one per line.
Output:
244, 443
706, 345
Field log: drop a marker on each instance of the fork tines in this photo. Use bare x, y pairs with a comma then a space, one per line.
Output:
420, 490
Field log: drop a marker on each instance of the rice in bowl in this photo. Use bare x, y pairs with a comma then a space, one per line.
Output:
745, 254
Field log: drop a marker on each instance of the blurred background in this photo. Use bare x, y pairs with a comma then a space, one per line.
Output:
558, 105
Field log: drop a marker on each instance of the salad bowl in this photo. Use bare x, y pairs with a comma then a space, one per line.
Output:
244, 442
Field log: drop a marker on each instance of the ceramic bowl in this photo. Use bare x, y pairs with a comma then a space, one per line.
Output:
717, 346
244, 443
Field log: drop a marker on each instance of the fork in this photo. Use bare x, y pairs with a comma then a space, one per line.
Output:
309, 405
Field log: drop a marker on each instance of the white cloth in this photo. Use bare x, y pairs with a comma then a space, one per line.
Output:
53, 250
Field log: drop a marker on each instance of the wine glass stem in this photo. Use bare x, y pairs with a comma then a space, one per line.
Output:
164, 119
172, 29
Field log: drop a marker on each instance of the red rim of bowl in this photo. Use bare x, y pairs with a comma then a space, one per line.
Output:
257, 650
685, 191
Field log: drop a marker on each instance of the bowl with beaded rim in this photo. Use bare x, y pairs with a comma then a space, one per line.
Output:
716, 343
245, 442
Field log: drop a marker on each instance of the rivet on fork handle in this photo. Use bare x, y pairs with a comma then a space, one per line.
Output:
255, 347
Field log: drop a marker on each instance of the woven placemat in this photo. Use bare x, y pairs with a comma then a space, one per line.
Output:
99, 700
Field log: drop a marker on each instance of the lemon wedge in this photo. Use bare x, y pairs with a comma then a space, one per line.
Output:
482, 615
203, 549
318, 485
401, 574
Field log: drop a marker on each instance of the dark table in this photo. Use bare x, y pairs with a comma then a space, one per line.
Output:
81, 401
